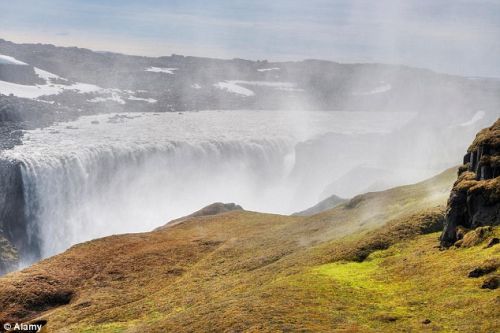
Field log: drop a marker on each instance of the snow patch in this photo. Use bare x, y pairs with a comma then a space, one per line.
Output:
285, 86
235, 86
47, 76
378, 90
8, 60
50, 89
196, 86
161, 70
232, 87
112, 97
84, 88
268, 69
24, 91
149, 100
28, 91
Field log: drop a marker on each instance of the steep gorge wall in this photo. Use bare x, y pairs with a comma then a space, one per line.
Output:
13, 236
51, 201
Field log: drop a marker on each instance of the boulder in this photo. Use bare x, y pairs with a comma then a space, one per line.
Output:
491, 283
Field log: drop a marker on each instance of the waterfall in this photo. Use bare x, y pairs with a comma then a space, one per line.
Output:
112, 174
101, 191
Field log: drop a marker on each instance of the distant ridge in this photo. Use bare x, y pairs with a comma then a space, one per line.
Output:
328, 203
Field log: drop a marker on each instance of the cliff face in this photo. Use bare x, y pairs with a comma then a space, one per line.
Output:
9, 259
13, 225
475, 198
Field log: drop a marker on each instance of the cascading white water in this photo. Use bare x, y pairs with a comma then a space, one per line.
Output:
111, 190
103, 175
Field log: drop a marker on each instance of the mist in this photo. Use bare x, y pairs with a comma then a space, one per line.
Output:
108, 143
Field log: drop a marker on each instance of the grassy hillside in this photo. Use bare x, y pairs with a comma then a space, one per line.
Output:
369, 265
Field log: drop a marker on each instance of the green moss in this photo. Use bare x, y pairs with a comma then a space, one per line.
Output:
105, 328
406, 284
353, 274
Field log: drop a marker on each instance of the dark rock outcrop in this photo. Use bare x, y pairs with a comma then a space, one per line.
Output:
475, 198
491, 283
13, 223
486, 268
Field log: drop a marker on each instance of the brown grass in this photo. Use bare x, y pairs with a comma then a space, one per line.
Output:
237, 271
488, 136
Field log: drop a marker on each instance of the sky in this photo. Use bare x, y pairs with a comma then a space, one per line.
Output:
451, 36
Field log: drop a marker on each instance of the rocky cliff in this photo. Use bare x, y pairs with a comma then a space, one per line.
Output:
475, 198
9, 259
13, 225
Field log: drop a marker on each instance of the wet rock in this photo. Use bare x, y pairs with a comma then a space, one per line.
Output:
387, 318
